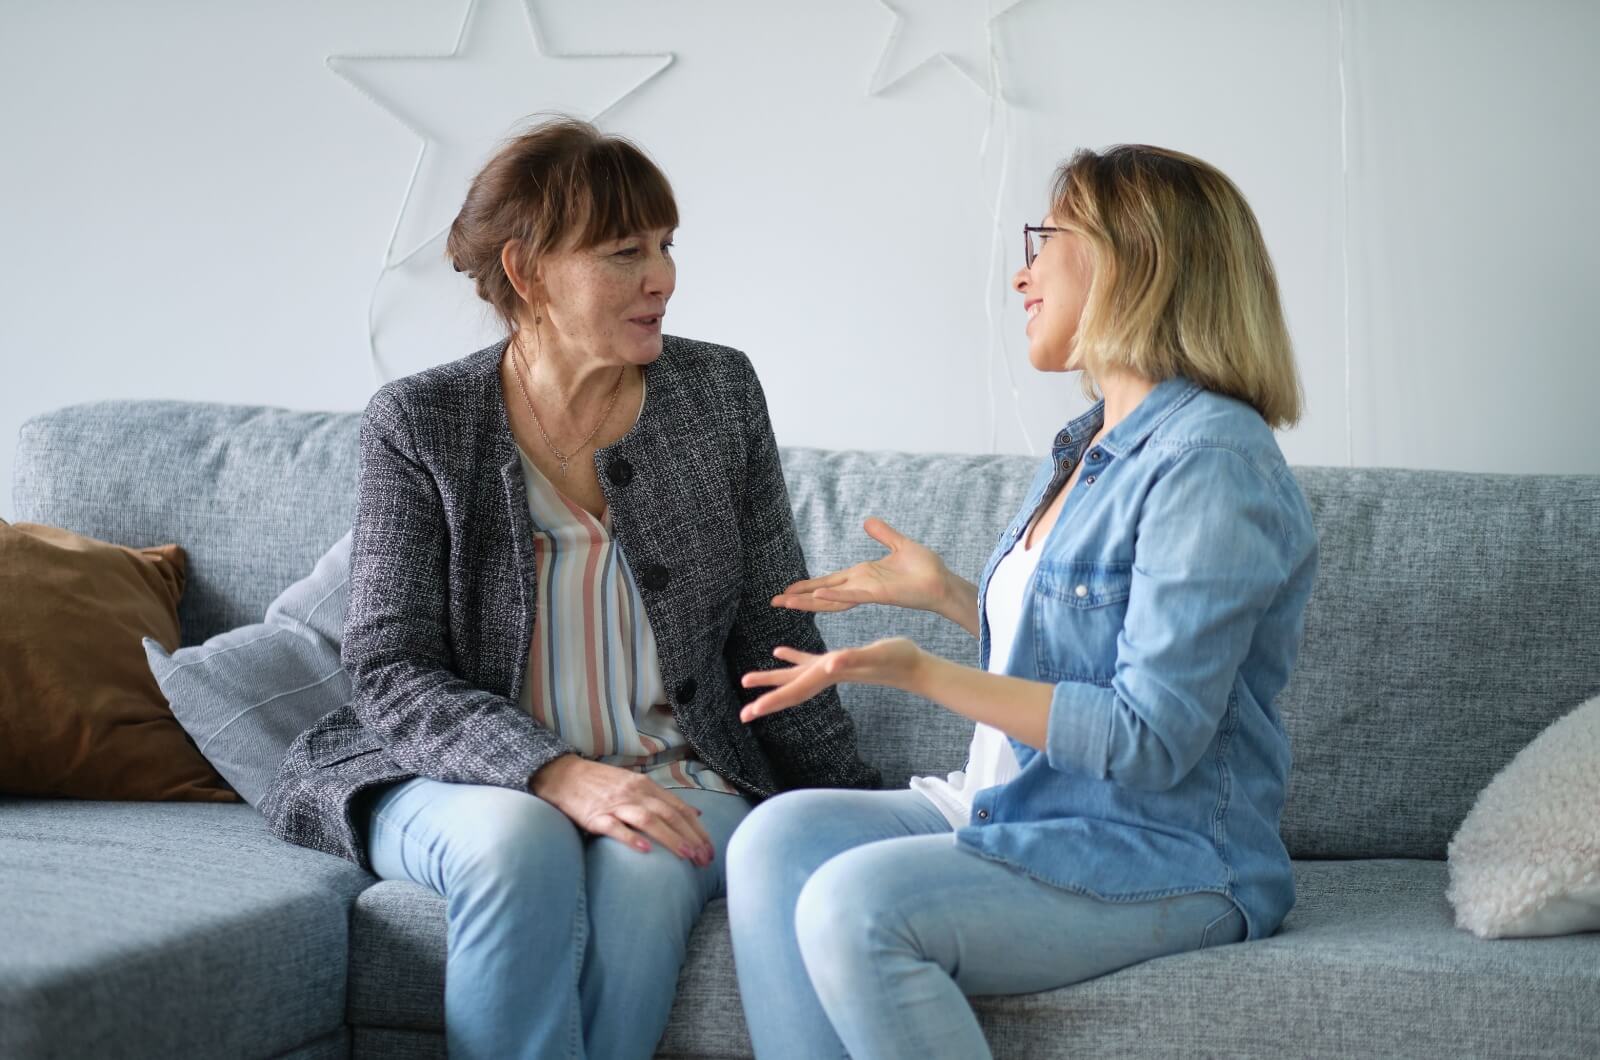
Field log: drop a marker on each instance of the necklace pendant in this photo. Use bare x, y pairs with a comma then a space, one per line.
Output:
563, 469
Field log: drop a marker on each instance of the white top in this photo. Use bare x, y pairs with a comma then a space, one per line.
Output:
990, 760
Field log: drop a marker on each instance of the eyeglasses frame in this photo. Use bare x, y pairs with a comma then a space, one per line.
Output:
1027, 242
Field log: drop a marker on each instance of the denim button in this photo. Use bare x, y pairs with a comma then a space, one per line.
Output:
1081, 591
983, 815
1088, 480
1095, 454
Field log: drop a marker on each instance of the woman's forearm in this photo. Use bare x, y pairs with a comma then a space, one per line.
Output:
960, 603
1017, 707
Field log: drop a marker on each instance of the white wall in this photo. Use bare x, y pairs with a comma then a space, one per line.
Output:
193, 205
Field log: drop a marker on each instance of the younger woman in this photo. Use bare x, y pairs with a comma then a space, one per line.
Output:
1135, 623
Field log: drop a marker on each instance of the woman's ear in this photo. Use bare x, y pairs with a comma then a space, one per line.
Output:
522, 274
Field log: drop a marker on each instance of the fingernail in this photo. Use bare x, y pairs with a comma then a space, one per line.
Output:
642, 845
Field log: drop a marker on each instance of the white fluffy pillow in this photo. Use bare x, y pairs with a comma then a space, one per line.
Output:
1526, 861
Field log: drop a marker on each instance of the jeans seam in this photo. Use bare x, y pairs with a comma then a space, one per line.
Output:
1205, 936
580, 938
406, 837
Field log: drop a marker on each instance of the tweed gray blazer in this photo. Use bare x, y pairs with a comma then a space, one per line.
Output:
443, 580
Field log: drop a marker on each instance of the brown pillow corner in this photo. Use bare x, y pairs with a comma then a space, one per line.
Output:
84, 714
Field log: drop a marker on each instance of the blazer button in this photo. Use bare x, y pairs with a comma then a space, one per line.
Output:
686, 691
656, 577
620, 472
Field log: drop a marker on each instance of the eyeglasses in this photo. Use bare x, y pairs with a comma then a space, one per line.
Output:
1029, 251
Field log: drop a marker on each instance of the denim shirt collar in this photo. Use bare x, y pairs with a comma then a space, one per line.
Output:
1167, 397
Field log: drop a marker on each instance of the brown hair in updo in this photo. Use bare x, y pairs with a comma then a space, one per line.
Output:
563, 184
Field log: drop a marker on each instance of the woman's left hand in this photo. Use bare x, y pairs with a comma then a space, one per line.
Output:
895, 662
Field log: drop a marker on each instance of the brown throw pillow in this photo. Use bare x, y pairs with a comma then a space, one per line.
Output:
80, 713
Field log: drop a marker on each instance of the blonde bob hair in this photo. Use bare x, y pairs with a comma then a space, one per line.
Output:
1182, 284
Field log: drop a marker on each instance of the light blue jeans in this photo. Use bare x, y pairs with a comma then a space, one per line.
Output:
859, 927
561, 944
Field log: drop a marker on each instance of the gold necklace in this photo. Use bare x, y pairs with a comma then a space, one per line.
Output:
563, 458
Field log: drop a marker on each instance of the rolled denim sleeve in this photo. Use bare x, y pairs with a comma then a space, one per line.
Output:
1210, 558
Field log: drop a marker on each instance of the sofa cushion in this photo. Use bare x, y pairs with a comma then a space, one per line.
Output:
1368, 963
1455, 616
254, 495
166, 929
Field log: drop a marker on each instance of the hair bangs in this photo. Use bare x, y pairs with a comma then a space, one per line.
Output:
623, 194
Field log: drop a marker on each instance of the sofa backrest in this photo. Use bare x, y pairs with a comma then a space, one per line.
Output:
1454, 616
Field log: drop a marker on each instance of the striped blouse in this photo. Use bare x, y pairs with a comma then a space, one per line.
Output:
594, 677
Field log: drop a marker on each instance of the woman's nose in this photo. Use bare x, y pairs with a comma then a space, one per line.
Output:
1019, 281
661, 278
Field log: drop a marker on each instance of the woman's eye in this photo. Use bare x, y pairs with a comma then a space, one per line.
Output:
627, 252
666, 248
1044, 237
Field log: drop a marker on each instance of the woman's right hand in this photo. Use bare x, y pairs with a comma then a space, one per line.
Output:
911, 575
611, 801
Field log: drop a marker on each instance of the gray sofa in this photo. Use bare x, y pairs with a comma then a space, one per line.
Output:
1454, 618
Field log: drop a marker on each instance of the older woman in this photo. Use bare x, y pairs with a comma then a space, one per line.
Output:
1135, 623
564, 549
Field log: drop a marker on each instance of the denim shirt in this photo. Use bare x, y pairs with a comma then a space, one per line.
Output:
1166, 610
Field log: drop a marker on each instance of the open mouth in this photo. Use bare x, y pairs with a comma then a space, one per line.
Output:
1032, 308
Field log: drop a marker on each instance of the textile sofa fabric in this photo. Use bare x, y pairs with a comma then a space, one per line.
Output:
1454, 617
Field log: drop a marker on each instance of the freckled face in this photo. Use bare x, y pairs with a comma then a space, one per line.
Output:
1054, 290
609, 300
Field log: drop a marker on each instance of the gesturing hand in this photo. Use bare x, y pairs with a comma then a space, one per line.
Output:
894, 662
911, 575
610, 801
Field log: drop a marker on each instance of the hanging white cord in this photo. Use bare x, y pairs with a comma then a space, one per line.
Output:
992, 292
389, 263
389, 266
1344, 236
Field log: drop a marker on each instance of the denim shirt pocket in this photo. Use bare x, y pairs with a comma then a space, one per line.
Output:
1078, 613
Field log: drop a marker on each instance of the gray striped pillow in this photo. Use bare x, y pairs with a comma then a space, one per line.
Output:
244, 695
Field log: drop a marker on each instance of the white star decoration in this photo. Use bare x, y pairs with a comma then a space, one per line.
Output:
461, 105
955, 31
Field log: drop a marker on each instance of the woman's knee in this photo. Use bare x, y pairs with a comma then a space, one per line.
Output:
845, 907
842, 923
776, 833
514, 839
